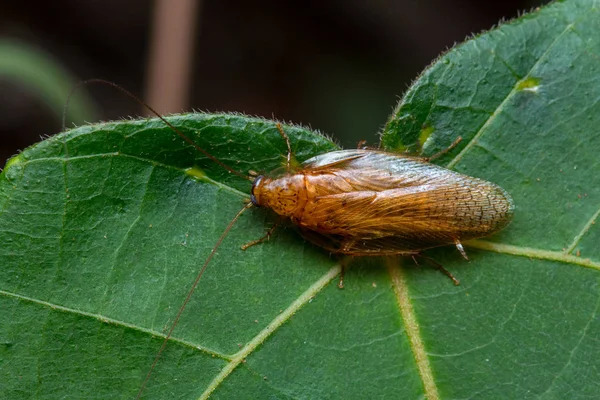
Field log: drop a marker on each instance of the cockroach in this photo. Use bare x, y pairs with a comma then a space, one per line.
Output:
366, 202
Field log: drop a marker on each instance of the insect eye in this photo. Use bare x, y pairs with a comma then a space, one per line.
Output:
254, 185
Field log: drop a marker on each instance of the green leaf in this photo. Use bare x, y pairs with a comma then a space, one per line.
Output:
103, 229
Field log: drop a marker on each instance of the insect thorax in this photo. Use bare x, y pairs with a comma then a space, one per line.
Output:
285, 195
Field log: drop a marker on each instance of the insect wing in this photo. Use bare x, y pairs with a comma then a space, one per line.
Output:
376, 202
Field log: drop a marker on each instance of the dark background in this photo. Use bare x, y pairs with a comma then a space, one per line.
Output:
339, 66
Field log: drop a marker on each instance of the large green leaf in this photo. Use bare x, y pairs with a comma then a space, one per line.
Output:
103, 228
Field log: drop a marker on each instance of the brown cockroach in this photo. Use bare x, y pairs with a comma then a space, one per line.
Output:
371, 203
367, 202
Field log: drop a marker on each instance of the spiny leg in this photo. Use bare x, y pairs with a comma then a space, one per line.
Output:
447, 149
345, 247
265, 237
340, 284
414, 258
440, 267
362, 145
343, 266
460, 248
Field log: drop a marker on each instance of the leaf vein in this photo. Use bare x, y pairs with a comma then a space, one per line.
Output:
264, 334
573, 350
412, 329
533, 253
112, 321
502, 104
585, 229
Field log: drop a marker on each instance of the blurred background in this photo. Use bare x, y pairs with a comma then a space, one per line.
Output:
339, 66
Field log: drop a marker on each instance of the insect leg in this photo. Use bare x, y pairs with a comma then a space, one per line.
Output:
342, 272
265, 237
344, 261
440, 267
346, 246
447, 149
285, 137
414, 258
362, 145
460, 248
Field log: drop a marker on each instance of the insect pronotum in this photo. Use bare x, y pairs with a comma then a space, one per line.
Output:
366, 202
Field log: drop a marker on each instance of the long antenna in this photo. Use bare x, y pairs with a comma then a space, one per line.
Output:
140, 101
189, 296
219, 241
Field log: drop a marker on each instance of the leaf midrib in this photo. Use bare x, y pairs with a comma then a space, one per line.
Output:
400, 285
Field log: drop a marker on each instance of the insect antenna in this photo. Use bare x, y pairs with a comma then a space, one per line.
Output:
189, 296
221, 238
444, 151
153, 111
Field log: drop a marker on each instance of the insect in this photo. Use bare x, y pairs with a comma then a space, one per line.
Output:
370, 202
367, 202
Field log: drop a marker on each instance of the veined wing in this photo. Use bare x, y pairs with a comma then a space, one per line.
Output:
379, 170
368, 200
